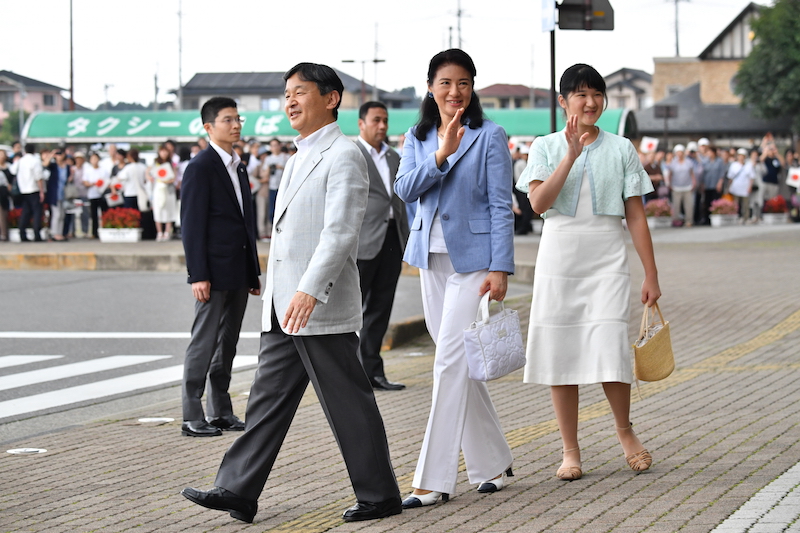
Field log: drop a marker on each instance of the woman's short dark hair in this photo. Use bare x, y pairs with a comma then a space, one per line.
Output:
324, 76
133, 154
429, 117
581, 76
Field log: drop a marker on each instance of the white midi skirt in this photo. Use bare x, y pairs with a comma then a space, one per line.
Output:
578, 330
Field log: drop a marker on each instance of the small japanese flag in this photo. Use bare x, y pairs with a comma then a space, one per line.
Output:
648, 144
793, 177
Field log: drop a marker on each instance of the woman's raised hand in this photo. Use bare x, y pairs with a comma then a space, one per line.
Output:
451, 138
575, 141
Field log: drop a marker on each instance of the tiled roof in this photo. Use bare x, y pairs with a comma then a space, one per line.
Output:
30, 83
698, 119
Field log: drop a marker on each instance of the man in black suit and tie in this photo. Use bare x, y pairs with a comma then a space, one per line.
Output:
381, 241
312, 310
218, 229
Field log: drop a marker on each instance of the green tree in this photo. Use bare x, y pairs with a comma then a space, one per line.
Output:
10, 130
769, 78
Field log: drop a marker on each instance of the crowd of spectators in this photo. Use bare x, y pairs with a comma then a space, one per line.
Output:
66, 191
694, 177
61, 193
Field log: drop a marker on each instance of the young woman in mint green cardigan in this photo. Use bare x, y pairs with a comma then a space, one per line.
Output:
584, 181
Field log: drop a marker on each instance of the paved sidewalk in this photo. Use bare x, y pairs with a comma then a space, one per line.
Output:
725, 425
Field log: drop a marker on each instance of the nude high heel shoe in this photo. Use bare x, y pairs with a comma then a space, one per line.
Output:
569, 473
639, 461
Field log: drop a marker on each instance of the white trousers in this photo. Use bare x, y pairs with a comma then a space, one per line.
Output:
56, 219
462, 415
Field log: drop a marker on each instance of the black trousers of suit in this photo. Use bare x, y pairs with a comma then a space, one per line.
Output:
286, 363
379, 277
215, 334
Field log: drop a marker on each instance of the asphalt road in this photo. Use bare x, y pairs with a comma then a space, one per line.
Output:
79, 345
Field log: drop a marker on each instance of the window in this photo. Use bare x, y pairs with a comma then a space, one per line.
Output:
504, 103
270, 104
49, 100
7, 101
673, 89
622, 102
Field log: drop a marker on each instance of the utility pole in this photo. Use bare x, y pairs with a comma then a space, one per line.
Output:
71, 64
180, 55
375, 61
677, 39
106, 87
155, 95
459, 14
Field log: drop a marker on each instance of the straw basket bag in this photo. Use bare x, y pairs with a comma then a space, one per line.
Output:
653, 359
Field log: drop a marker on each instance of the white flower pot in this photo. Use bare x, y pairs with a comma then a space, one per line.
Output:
719, 221
14, 235
119, 234
775, 218
659, 222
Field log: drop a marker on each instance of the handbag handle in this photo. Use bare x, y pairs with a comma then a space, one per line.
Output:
483, 309
643, 326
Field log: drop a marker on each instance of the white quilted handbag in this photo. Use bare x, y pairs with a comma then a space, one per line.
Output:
493, 344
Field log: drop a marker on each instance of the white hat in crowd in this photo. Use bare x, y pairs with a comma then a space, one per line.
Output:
524, 148
679, 148
692, 146
703, 142
742, 151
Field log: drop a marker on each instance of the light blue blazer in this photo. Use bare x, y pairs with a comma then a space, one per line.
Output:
472, 192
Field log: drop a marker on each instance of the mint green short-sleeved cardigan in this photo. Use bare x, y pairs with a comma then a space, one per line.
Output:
611, 163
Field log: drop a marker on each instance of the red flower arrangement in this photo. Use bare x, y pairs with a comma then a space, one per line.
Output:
15, 214
658, 208
775, 205
121, 218
13, 217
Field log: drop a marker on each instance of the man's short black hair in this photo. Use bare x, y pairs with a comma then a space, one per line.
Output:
213, 106
30, 148
324, 76
366, 106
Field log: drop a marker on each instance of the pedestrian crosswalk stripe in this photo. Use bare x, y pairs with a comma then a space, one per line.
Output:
75, 369
100, 389
109, 335
16, 360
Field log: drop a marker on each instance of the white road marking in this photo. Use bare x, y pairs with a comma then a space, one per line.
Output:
99, 389
773, 508
109, 335
16, 360
75, 369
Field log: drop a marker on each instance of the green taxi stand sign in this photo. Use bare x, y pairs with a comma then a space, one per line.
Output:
185, 126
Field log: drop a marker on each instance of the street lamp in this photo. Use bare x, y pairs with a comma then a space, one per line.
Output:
363, 85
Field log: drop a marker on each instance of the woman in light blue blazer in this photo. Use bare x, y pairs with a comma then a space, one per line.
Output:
456, 168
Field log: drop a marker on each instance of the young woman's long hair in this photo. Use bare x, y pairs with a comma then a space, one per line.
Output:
429, 117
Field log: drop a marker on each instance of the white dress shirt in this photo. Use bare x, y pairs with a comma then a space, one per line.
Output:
379, 158
231, 162
304, 146
29, 172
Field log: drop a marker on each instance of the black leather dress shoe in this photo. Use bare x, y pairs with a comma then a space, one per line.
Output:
371, 511
223, 500
226, 423
199, 428
381, 383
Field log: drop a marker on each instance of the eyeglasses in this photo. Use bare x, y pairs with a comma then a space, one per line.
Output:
230, 120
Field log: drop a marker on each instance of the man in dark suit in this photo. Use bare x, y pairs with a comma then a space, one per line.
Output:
218, 229
381, 241
312, 310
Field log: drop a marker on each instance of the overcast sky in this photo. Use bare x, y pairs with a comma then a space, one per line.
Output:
124, 44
